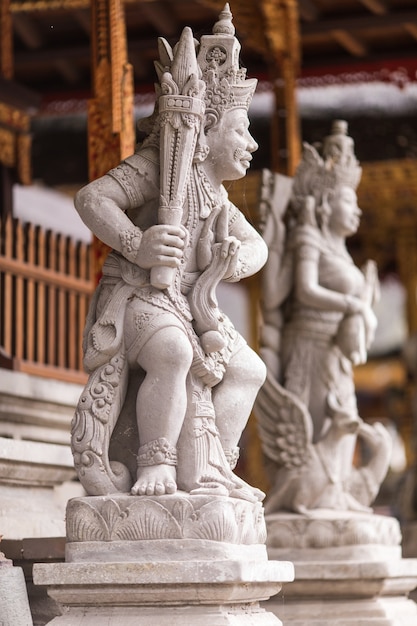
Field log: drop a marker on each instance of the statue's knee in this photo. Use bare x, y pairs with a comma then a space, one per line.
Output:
259, 369
253, 369
177, 350
170, 350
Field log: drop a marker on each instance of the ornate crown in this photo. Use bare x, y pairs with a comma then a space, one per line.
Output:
337, 165
218, 57
209, 71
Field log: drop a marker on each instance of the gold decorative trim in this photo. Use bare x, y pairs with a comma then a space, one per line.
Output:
24, 164
6, 40
23, 6
14, 118
46, 5
7, 147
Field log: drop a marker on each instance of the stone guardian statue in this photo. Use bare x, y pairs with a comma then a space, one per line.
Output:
171, 381
168, 534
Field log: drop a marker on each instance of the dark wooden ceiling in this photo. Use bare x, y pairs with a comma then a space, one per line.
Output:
52, 54
52, 58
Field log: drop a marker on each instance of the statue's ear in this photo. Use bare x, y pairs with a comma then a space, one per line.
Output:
210, 119
308, 214
324, 209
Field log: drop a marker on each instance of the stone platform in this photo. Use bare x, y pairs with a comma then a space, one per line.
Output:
348, 570
164, 561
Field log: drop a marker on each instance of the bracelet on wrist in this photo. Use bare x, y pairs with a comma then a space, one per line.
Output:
130, 242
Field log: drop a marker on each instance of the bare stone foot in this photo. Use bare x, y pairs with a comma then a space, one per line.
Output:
244, 491
155, 480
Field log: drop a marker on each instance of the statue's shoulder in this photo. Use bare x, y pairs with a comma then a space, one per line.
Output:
307, 235
145, 160
138, 175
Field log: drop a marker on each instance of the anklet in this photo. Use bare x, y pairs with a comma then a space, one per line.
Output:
157, 452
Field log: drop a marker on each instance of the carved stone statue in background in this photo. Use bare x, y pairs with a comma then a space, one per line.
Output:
171, 381
318, 323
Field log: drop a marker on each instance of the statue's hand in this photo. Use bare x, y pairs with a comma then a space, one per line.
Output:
356, 305
376, 437
230, 251
379, 442
162, 245
371, 323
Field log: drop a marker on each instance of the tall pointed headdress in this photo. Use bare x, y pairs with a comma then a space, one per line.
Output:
218, 57
337, 165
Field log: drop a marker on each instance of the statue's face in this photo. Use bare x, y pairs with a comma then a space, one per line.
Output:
231, 146
345, 213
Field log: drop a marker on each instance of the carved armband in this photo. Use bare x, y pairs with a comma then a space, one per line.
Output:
130, 242
234, 214
157, 452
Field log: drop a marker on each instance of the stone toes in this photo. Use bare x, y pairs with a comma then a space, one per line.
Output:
142, 489
171, 487
159, 489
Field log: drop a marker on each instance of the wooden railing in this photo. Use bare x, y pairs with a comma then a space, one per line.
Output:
46, 282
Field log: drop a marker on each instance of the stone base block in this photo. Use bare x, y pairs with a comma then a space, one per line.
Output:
348, 570
172, 616
360, 612
164, 561
351, 594
201, 593
326, 535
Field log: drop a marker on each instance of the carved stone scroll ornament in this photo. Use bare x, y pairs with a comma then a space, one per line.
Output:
318, 323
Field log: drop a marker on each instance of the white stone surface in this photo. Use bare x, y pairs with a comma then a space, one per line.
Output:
350, 594
21, 385
197, 591
357, 579
14, 604
36, 464
378, 611
123, 517
224, 615
327, 535
36, 408
50, 209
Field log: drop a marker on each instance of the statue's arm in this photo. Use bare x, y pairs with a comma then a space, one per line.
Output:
102, 205
251, 251
308, 289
